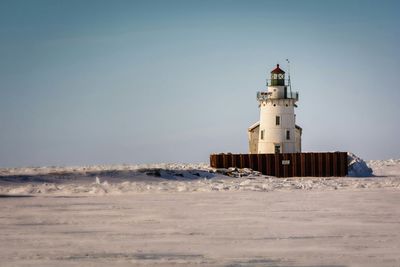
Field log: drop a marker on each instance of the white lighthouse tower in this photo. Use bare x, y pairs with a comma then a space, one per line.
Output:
276, 132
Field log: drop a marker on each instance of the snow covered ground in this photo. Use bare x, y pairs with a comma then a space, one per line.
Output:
132, 179
190, 215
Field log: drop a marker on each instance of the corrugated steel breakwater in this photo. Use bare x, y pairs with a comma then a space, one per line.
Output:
323, 164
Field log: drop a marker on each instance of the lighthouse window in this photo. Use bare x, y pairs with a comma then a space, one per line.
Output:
277, 120
287, 135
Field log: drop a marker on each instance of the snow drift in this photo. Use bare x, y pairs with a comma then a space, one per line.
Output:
153, 178
261, 184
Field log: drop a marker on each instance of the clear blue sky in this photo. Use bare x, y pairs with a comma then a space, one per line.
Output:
90, 82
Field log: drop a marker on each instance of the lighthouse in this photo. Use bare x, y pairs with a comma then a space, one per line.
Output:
276, 131
275, 140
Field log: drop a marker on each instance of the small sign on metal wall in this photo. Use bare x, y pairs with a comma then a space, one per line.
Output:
286, 162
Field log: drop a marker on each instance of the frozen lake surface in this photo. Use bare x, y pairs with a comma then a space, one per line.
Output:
160, 219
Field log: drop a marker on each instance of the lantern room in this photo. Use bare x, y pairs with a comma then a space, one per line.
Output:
277, 76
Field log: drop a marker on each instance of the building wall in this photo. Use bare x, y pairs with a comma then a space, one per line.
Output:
253, 135
276, 134
276, 91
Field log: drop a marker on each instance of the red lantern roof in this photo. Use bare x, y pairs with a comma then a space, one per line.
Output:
277, 70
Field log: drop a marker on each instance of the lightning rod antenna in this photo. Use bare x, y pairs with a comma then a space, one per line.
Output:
289, 82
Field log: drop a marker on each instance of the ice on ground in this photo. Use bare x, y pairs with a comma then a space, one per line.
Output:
385, 168
176, 215
248, 229
149, 178
357, 166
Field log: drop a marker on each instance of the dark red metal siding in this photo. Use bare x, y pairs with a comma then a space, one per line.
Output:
299, 164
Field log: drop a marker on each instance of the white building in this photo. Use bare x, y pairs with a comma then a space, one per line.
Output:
276, 132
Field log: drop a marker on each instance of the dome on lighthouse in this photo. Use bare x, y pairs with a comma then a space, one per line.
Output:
277, 70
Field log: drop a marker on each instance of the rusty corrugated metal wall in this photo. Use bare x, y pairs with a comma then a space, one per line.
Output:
286, 164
